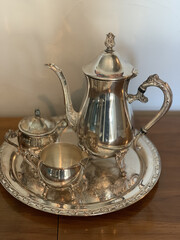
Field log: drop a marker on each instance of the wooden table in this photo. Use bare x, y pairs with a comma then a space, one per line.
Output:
157, 216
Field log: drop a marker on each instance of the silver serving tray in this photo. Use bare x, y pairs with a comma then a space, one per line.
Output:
103, 188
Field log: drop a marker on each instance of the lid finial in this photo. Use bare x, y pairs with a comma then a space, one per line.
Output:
109, 42
37, 113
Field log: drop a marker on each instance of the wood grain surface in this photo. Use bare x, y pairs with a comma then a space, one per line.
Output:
157, 216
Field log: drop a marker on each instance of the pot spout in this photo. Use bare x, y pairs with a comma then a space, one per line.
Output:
71, 114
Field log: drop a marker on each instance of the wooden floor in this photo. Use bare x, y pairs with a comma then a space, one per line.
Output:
157, 216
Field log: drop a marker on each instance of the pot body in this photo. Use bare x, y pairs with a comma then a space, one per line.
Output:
36, 142
106, 123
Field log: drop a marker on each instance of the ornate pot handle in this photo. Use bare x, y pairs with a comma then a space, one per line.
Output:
152, 81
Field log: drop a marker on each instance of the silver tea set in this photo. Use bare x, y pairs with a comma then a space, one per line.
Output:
104, 125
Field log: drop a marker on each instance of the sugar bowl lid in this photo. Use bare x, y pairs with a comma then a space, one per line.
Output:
109, 65
36, 125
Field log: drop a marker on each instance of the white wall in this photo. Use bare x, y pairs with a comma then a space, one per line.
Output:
70, 33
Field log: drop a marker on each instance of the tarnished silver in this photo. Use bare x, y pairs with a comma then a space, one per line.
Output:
35, 132
109, 42
104, 187
104, 124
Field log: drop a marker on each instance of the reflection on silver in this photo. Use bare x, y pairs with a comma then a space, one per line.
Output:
123, 165
103, 187
35, 132
104, 124
61, 164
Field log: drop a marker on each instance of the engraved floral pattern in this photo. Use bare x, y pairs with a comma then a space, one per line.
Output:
121, 202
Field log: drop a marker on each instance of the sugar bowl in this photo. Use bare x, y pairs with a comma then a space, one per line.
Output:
35, 132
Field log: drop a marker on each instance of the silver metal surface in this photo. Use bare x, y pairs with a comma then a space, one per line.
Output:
36, 125
104, 124
153, 81
60, 164
71, 114
105, 186
109, 65
35, 132
112, 165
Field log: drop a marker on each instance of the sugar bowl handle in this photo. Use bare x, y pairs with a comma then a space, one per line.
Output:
27, 154
11, 134
153, 81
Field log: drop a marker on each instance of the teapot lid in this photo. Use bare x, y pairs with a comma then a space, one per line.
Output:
109, 65
36, 125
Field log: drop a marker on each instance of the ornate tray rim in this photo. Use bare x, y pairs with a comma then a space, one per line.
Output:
108, 208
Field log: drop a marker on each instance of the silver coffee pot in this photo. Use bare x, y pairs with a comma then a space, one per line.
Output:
104, 124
